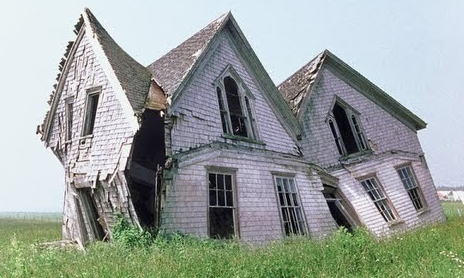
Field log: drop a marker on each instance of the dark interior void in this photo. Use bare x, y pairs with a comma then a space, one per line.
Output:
89, 207
338, 215
148, 152
345, 129
221, 222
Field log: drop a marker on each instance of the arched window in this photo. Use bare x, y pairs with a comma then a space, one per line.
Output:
235, 108
346, 130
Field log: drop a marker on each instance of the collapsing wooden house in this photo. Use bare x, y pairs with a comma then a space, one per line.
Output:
202, 142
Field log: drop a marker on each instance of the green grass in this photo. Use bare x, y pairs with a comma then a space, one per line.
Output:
434, 251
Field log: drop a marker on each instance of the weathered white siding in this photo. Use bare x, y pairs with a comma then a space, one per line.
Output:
380, 127
199, 120
96, 159
257, 204
392, 144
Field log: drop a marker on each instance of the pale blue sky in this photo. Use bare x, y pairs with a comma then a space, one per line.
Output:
413, 50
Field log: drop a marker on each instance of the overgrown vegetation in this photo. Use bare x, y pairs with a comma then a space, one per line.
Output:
436, 251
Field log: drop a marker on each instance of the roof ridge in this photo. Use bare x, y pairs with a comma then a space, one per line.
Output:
133, 77
171, 68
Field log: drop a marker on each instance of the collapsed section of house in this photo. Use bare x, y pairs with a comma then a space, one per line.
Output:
201, 141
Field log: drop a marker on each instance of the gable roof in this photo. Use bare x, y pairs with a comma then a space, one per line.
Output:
298, 87
175, 68
171, 69
133, 78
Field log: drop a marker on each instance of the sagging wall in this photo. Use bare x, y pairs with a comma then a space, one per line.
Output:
257, 205
95, 162
385, 132
384, 169
199, 120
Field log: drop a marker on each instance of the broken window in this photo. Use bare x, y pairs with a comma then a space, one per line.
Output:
235, 108
378, 196
411, 186
90, 112
88, 206
346, 130
337, 207
69, 118
290, 206
221, 206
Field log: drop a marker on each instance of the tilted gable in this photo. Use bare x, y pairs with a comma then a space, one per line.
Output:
175, 69
130, 80
297, 89
199, 106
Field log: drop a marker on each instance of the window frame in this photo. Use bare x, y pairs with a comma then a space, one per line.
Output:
246, 101
303, 230
386, 200
232, 173
91, 93
414, 180
69, 115
354, 120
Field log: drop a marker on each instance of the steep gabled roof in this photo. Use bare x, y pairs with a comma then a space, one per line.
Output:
134, 78
130, 76
175, 68
297, 89
171, 69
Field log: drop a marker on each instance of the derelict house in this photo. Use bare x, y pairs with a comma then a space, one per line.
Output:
202, 142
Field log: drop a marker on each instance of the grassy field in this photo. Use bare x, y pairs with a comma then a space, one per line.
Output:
436, 251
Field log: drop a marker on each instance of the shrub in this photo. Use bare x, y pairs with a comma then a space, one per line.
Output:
129, 235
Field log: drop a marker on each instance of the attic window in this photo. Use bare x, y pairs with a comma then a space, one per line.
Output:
345, 127
90, 112
378, 196
235, 105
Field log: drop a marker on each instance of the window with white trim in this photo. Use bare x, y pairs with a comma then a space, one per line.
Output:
90, 112
291, 212
410, 184
235, 105
378, 196
221, 207
345, 126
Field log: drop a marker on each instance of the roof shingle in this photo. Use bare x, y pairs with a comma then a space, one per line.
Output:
171, 69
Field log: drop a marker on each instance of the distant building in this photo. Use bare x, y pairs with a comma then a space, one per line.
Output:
202, 142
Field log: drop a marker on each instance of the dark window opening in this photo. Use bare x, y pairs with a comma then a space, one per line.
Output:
69, 120
345, 129
221, 206
292, 215
90, 113
89, 207
222, 110
235, 108
336, 137
337, 208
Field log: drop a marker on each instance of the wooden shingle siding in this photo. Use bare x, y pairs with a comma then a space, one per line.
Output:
199, 121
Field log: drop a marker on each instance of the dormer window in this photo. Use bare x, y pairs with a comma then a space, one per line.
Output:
346, 129
235, 105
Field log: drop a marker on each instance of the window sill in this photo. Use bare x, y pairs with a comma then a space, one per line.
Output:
422, 211
355, 155
395, 223
244, 139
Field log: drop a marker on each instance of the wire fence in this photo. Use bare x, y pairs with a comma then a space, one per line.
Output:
40, 216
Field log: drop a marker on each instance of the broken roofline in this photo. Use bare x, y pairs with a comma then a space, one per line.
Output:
358, 82
125, 74
263, 80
